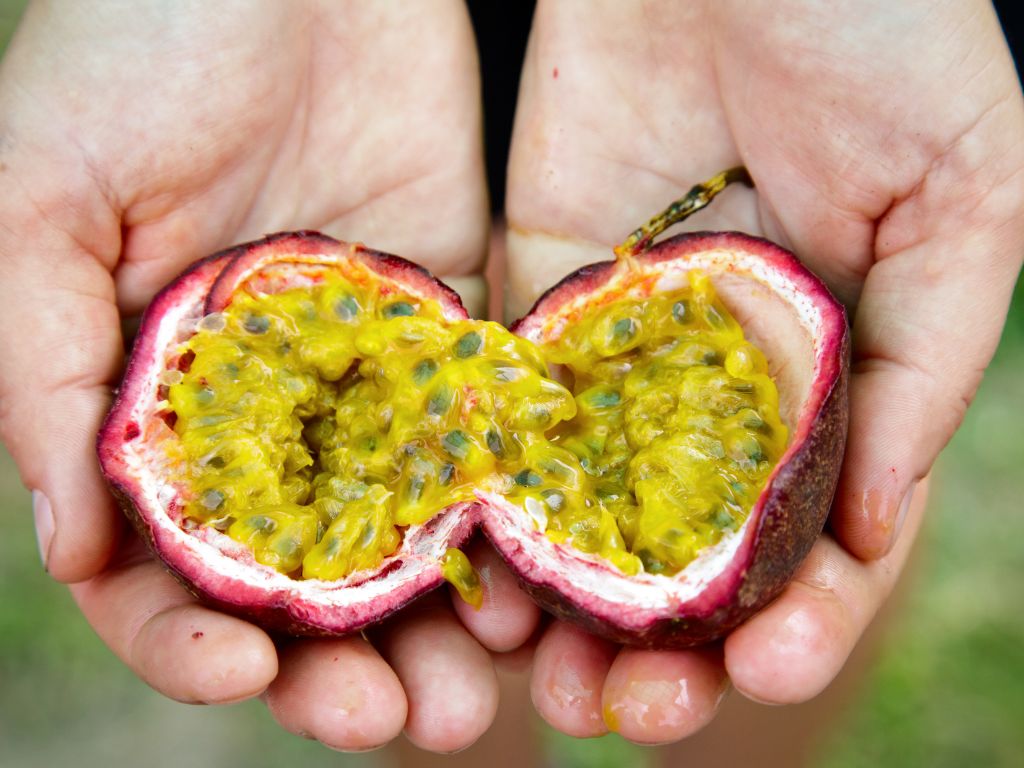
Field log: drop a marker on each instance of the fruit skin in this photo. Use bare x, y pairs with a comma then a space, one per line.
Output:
272, 601
784, 523
780, 531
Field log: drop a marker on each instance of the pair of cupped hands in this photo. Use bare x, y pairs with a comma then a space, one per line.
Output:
886, 143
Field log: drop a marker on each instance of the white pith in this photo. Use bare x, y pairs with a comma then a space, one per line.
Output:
148, 466
742, 280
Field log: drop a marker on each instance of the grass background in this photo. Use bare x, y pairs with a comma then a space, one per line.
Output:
947, 690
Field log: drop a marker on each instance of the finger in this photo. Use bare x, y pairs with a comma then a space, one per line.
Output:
656, 697
421, 193
61, 350
508, 616
605, 136
915, 371
339, 692
180, 648
569, 671
448, 677
793, 649
914, 206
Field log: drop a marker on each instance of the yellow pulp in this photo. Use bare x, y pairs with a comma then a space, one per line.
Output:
318, 423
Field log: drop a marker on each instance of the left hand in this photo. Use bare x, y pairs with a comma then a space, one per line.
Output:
137, 137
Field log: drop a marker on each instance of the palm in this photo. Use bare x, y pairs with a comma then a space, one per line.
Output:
867, 133
187, 130
284, 127
625, 122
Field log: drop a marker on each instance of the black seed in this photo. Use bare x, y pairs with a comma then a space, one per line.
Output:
554, 499
494, 443
424, 371
456, 444
608, 492
605, 399
541, 416
398, 309
262, 523
528, 479
650, 562
370, 443
217, 462
286, 547
506, 373
672, 535
446, 474
440, 401
744, 387
556, 468
213, 499
722, 519
623, 330
416, 484
346, 308
468, 345
257, 324
680, 312
369, 532
755, 452
753, 420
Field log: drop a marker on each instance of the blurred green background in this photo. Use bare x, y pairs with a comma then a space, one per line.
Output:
947, 688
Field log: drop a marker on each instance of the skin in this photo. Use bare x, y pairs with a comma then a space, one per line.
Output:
138, 138
883, 140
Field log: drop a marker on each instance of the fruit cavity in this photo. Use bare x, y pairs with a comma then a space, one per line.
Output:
318, 422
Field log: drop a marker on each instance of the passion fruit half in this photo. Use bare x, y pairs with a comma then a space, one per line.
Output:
308, 431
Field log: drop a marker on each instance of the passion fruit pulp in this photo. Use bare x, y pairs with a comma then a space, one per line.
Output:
308, 430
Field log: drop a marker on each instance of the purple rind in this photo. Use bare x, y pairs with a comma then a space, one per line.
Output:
310, 243
276, 609
794, 512
788, 517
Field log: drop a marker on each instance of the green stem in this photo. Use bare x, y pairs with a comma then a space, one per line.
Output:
698, 197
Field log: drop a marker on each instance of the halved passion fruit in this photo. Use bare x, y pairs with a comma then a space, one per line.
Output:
309, 430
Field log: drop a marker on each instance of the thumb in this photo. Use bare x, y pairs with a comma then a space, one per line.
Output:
61, 349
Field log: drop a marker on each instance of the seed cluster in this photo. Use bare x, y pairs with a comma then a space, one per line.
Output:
677, 426
318, 423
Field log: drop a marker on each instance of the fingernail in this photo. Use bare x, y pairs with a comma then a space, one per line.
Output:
901, 514
43, 513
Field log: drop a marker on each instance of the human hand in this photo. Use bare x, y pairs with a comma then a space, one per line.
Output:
138, 137
885, 144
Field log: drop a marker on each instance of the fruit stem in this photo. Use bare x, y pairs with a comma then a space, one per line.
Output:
698, 197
